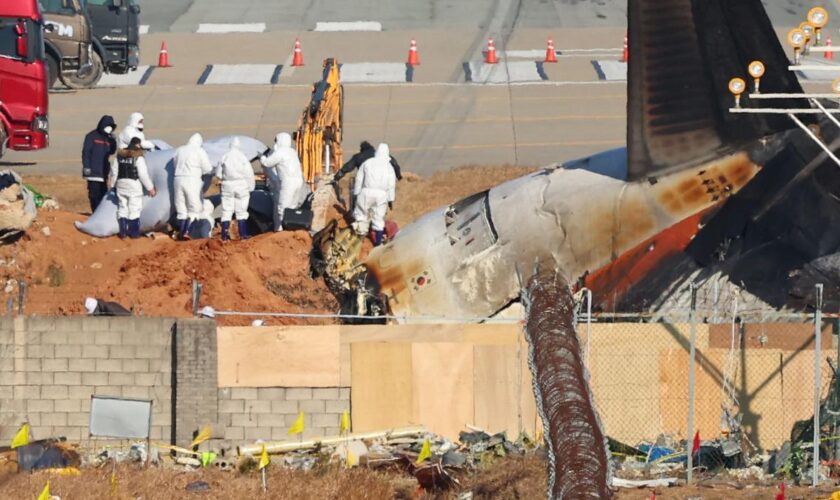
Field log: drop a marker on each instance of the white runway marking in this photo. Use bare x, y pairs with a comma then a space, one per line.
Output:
348, 26
240, 74
611, 70
137, 77
523, 54
144, 29
231, 28
512, 71
373, 73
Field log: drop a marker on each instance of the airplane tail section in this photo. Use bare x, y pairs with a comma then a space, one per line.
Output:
682, 55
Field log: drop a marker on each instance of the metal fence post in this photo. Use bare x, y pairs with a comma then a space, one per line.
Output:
691, 359
817, 383
196, 296
21, 296
588, 328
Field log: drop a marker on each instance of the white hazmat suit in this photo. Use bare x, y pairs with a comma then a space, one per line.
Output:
374, 188
134, 128
129, 189
285, 177
191, 163
237, 178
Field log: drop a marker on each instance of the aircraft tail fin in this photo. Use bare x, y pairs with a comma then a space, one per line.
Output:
682, 55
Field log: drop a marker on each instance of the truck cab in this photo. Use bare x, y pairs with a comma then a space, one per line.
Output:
116, 33
69, 44
23, 77
87, 38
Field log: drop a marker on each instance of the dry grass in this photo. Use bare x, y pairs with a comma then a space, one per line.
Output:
69, 190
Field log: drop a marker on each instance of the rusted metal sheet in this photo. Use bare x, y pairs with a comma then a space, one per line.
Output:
577, 448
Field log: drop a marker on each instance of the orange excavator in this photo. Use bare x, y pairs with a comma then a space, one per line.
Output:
320, 126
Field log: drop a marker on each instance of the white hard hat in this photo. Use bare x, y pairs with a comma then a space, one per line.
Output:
207, 312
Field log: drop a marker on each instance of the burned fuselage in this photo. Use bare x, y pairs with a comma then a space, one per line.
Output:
465, 261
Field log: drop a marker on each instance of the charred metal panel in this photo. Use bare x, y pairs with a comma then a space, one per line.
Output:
577, 448
682, 55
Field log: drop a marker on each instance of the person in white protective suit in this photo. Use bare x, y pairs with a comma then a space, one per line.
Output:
129, 175
237, 176
285, 177
134, 128
375, 190
191, 164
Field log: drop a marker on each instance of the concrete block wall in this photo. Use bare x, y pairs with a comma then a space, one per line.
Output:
50, 367
196, 367
250, 413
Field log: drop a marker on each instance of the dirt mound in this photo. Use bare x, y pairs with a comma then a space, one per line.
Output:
265, 274
153, 276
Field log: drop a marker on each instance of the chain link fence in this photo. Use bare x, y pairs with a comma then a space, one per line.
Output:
755, 369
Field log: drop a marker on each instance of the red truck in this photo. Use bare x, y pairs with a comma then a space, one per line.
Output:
23, 77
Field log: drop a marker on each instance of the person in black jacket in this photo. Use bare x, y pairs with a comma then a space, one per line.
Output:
96, 159
366, 152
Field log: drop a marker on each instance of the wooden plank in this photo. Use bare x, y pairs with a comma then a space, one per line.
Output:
484, 334
442, 387
381, 392
278, 357
497, 381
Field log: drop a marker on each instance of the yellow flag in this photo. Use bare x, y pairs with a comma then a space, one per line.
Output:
344, 423
298, 426
22, 436
202, 436
45, 493
425, 452
264, 460
352, 459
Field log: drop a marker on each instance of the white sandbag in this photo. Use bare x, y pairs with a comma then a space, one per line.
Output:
158, 211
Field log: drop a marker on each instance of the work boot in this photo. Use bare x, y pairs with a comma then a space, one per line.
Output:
188, 229
123, 223
182, 228
243, 230
377, 238
225, 230
134, 228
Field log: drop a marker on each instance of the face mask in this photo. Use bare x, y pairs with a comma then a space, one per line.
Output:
140, 127
109, 129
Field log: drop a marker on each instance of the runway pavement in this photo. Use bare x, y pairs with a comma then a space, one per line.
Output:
452, 110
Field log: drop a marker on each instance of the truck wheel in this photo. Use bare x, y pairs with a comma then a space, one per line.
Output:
2, 140
52, 71
90, 80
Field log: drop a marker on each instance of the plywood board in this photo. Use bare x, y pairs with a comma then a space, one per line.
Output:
498, 384
381, 393
527, 403
442, 386
491, 334
278, 357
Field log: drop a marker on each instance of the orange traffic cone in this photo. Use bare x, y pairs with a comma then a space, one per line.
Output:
625, 54
490, 58
297, 60
828, 54
550, 55
413, 56
163, 58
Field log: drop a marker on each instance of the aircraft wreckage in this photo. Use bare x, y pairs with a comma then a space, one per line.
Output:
700, 193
